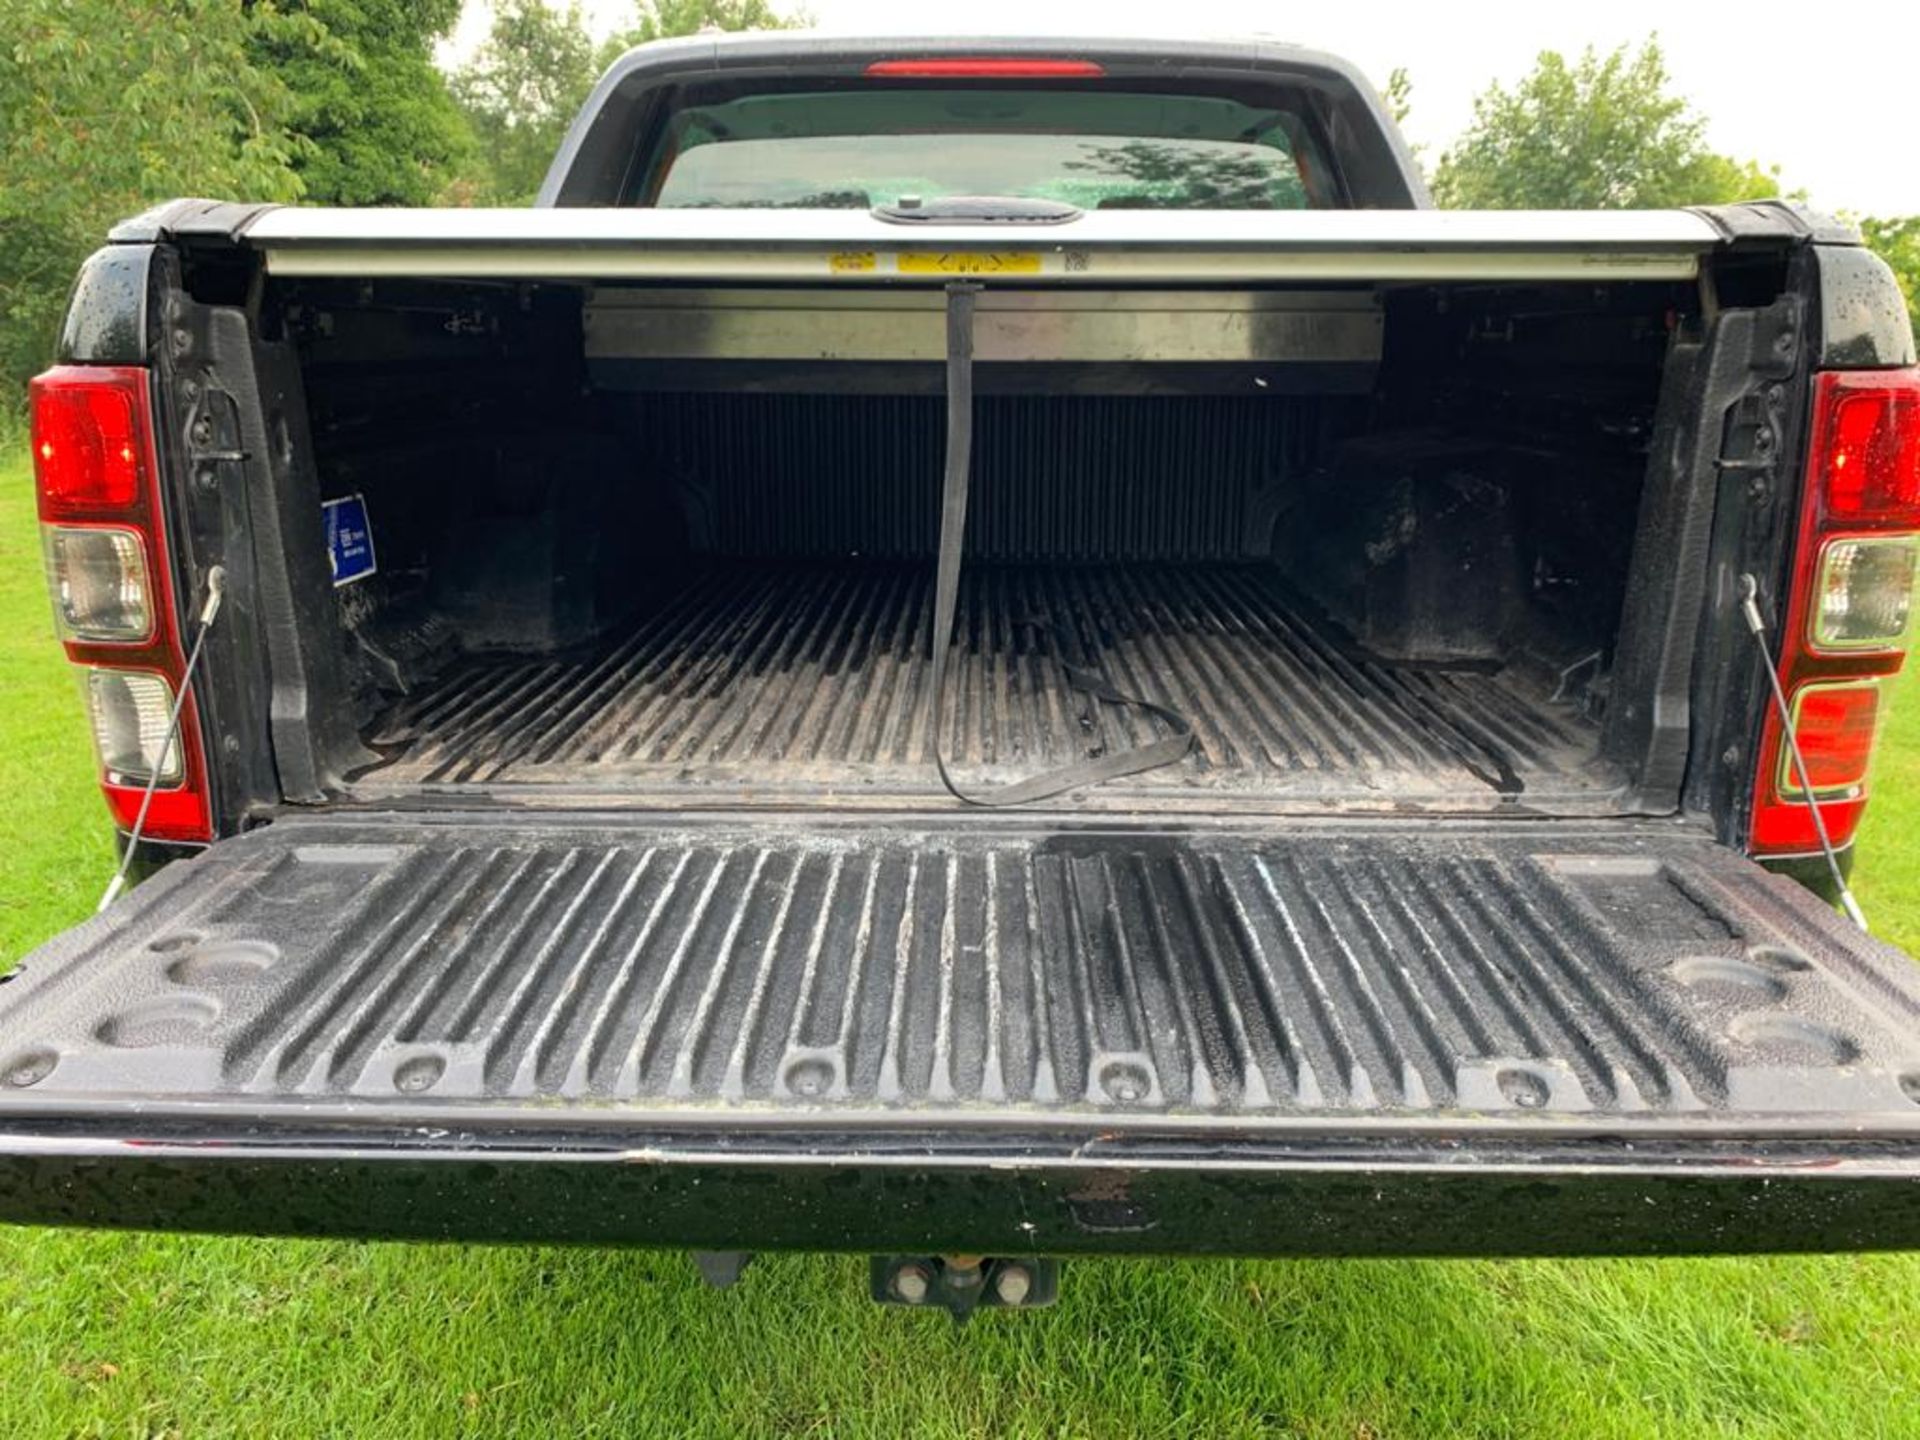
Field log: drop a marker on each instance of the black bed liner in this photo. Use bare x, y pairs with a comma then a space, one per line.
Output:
761, 679
714, 968
939, 1034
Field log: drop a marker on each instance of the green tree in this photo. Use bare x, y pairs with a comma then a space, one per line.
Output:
1398, 94
1898, 243
374, 109
1605, 132
663, 19
521, 89
106, 108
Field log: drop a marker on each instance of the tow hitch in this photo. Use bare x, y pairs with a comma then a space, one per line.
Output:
959, 1284
962, 1284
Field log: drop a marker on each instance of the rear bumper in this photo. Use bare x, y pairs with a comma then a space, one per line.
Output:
986, 1192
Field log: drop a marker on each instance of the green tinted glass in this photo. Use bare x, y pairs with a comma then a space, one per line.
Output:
1097, 150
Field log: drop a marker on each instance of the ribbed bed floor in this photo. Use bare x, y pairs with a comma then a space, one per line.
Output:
778, 678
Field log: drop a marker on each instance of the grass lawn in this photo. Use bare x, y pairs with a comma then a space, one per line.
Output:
130, 1335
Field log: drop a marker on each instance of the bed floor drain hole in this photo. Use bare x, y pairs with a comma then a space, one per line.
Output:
29, 1068
420, 1073
1910, 1086
1715, 975
179, 940
1523, 1088
224, 964
168, 1020
1791, 1040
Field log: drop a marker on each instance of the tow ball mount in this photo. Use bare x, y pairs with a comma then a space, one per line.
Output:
961, 1284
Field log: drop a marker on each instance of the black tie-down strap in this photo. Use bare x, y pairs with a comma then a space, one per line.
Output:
946, 593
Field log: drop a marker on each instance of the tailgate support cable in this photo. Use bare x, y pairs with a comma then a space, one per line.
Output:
216, 587
946, 591
1750, 609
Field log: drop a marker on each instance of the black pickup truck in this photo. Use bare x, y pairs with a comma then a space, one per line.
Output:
975, 651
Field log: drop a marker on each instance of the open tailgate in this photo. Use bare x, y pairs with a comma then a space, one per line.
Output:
975, 1034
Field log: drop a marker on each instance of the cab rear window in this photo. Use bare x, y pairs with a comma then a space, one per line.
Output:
1093, 149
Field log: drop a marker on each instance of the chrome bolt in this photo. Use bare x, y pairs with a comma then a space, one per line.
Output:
910, 1284
1013, 1284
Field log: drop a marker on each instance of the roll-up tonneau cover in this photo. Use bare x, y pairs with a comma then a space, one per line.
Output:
1124, 247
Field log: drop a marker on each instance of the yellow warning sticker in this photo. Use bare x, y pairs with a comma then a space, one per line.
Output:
971, 262
853, 262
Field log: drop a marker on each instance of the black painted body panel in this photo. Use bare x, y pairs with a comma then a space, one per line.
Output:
913, 1193
106, 320
1863, 316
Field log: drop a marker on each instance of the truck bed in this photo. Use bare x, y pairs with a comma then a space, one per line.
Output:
761, 679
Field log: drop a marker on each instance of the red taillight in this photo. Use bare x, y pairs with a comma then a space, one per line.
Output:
1836, 725
1867, 449
986, 67
114, 603
88, 439
1847, 617
176, 814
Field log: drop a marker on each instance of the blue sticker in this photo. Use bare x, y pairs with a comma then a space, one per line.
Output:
349, 539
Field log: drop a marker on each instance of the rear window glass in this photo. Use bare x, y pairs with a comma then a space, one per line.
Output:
1093, 149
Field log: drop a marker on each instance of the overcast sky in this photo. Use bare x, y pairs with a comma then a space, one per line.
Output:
1833, 101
